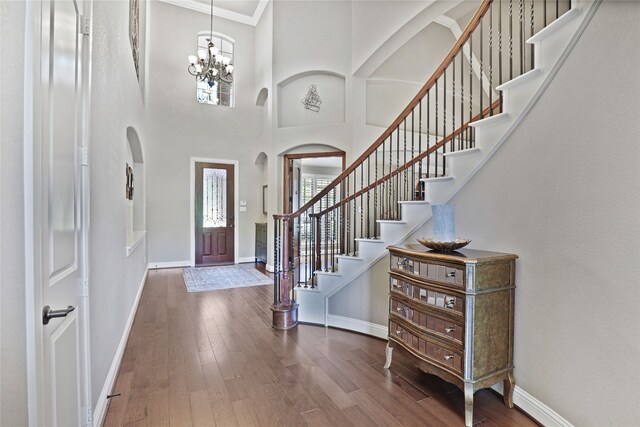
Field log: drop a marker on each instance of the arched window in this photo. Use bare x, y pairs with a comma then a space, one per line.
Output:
220, 93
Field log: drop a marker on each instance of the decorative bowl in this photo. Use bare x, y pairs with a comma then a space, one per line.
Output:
444, 247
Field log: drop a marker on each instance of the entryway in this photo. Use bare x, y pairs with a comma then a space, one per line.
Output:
214, 188
305, 175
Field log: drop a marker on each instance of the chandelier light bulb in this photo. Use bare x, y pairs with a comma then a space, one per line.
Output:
209, 65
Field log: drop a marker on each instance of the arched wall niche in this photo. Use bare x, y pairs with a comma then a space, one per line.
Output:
262, 97
134, 145
261, 158
330, 87
135, 202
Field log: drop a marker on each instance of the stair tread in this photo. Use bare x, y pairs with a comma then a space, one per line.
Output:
362, 239
554, 26
307, 289
355, 258
520, 79
496, 118
439, 178
328, 273
413, 202
462, 152
391, 221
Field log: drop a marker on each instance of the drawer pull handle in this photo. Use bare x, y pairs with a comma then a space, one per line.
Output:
450, 303
450, 329
451, 274
448, 356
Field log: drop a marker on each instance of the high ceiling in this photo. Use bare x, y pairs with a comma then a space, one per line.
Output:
244, 7
243, 11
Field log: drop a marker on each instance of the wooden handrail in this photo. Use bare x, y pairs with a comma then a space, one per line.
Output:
416, 159
464, 37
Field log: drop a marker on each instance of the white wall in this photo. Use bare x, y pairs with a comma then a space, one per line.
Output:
13, 368
374, 22
179, 128
116, 104
564, 194
311, 37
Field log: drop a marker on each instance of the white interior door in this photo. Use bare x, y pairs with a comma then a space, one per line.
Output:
59, 229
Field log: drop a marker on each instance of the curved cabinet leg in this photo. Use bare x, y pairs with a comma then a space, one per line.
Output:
389, 351
509, 385
468, 405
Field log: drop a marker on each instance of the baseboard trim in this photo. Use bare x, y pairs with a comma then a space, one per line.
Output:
535, 408
269, 268
170, 264
357, 325
245, 259
101, 405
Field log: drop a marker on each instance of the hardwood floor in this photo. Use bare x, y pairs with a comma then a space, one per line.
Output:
212, 359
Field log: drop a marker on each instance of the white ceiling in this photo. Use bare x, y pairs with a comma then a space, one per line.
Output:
243, 11
244, 7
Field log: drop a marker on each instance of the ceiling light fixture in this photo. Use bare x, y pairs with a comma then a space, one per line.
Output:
210, 65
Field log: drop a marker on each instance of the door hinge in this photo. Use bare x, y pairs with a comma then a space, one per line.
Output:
89, 416
84, 156
85, 25
85, 288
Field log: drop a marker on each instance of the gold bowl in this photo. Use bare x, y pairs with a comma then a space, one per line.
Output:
444, 247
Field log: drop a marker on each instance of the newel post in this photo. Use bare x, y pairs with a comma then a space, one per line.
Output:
284, 308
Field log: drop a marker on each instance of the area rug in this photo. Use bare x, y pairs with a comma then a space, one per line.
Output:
223, 277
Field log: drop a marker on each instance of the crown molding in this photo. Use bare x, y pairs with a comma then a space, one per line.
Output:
222, 13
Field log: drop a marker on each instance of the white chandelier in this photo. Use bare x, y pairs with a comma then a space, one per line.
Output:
209, 65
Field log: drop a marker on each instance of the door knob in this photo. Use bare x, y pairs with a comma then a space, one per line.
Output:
48, 314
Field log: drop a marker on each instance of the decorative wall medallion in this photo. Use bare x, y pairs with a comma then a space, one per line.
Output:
312, 100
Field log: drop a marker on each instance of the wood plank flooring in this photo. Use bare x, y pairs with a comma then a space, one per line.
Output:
212, 359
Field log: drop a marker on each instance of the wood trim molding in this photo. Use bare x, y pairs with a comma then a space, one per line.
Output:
286, 160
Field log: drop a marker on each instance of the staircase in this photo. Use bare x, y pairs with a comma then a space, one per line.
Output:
493, 75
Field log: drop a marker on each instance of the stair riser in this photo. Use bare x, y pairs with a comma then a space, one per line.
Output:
314, 307
369, 250
411, 211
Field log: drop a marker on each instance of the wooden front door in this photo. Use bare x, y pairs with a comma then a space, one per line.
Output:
214, 210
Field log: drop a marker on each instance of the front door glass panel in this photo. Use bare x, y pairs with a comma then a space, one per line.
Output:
214, 198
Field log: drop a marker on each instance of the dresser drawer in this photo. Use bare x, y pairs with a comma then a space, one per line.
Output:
426, 347
435, 298
424, 319
443, 273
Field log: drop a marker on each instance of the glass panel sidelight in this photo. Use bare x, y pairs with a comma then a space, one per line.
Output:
214, 198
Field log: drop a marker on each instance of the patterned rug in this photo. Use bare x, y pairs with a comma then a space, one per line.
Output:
223, 277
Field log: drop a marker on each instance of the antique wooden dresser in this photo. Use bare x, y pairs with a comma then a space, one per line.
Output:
454, 314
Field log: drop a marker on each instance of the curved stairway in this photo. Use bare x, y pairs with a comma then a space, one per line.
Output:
332, 272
